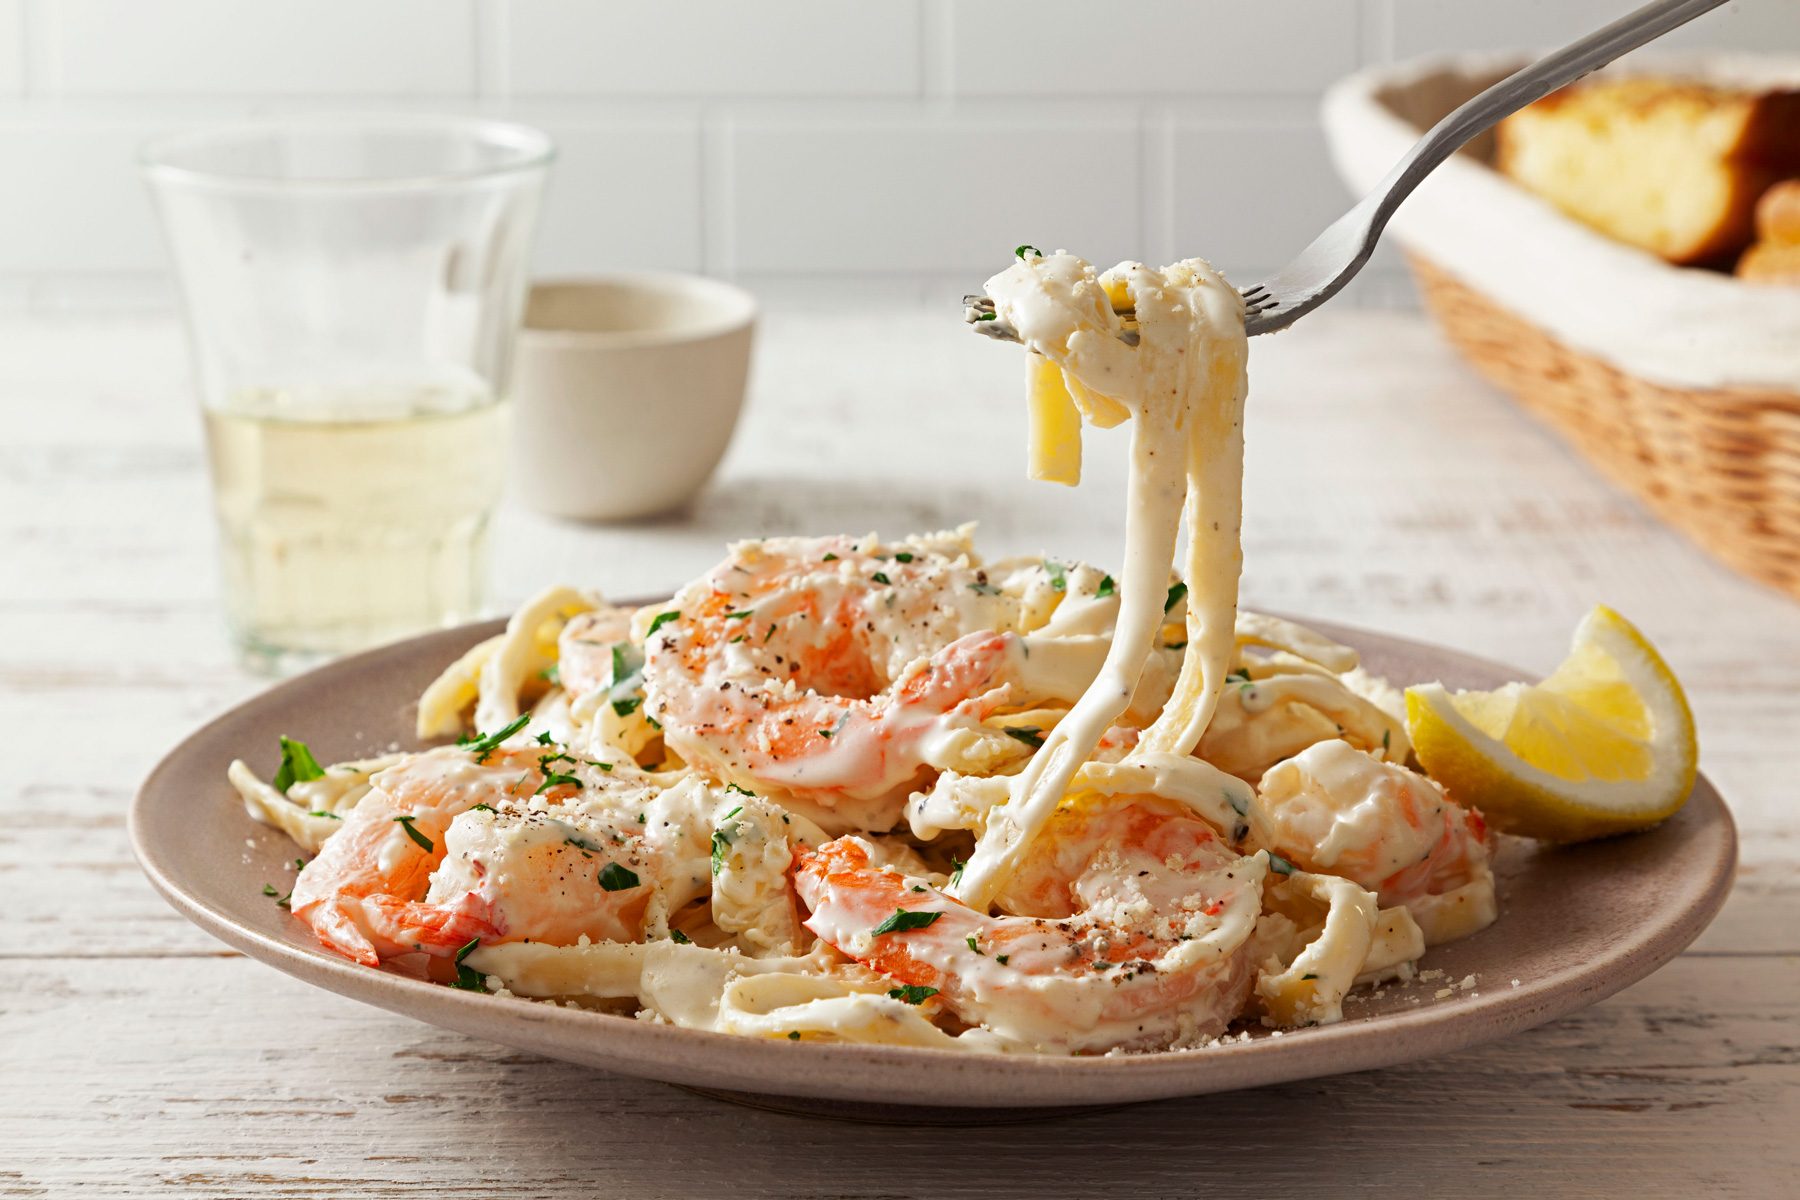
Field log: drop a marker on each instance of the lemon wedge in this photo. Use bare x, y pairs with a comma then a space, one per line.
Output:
1604, 745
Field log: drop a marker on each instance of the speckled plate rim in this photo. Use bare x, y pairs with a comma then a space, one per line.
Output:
1685, 901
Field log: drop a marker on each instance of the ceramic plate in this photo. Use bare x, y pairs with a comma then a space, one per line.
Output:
1576, 925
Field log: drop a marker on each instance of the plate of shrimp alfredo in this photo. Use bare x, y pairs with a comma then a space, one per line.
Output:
880, 822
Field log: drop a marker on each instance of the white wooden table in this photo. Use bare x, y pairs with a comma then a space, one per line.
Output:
1387, 487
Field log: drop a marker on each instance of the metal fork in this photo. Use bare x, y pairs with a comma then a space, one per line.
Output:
1321, 270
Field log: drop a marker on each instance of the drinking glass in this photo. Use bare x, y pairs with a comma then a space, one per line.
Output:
352, 288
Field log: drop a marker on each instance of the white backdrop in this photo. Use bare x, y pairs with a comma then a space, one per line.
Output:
903, 146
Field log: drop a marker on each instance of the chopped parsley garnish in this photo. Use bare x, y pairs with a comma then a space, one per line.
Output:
984, 588
912, 993
1031, 735
1001, 958
881, 577
468, 978
1309, 975
836, 729
555, 778
661, 619
269, 890
680, 938
297, 765
319, 812
1019, 251
740, 637
581, 844
626, 689
902, 921
1242, 674
483, 807
552, 674
829, 558
615, 878
1059, 574
971, 940
652, 722
544, 739
1280, 865
1107, 586
1177, 594
424, 843
732, 787
987, 316
488, 743
722, 839
1385, 735
957, 866
739, 615
793, 1035
902, 556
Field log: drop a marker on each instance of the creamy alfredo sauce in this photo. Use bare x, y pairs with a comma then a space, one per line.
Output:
1183, 386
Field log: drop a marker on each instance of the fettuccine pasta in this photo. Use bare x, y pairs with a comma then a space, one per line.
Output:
855, 790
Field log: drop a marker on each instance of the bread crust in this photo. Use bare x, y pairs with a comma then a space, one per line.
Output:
1771, 262
1778, 214
1675, 168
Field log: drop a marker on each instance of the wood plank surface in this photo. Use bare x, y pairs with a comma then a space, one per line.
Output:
1386, 487
234, 1080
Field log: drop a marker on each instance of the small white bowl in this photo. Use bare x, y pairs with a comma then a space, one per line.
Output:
626, 391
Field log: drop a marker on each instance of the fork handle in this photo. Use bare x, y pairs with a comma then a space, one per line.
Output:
1521, 88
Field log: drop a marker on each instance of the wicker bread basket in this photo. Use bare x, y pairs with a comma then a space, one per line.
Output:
1681, 386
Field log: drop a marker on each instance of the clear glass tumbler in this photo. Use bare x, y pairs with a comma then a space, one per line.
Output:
352, 289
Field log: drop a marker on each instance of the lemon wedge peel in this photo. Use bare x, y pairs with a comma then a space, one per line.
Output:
1604, 745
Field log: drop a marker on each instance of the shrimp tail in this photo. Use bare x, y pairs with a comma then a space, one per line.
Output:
963, 672
436, 929
338, 930
813, 870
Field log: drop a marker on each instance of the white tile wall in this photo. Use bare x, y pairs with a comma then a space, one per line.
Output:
12, 47
74, 203
886, 194
1254, 189
892, 148
1150, 48
256, 47
1422, 26
710, 48
624, 194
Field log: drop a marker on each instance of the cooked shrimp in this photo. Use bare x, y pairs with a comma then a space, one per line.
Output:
1336, 810
553, 876
1271, 711
585, 661
1128, 926
834, 673
455, 844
